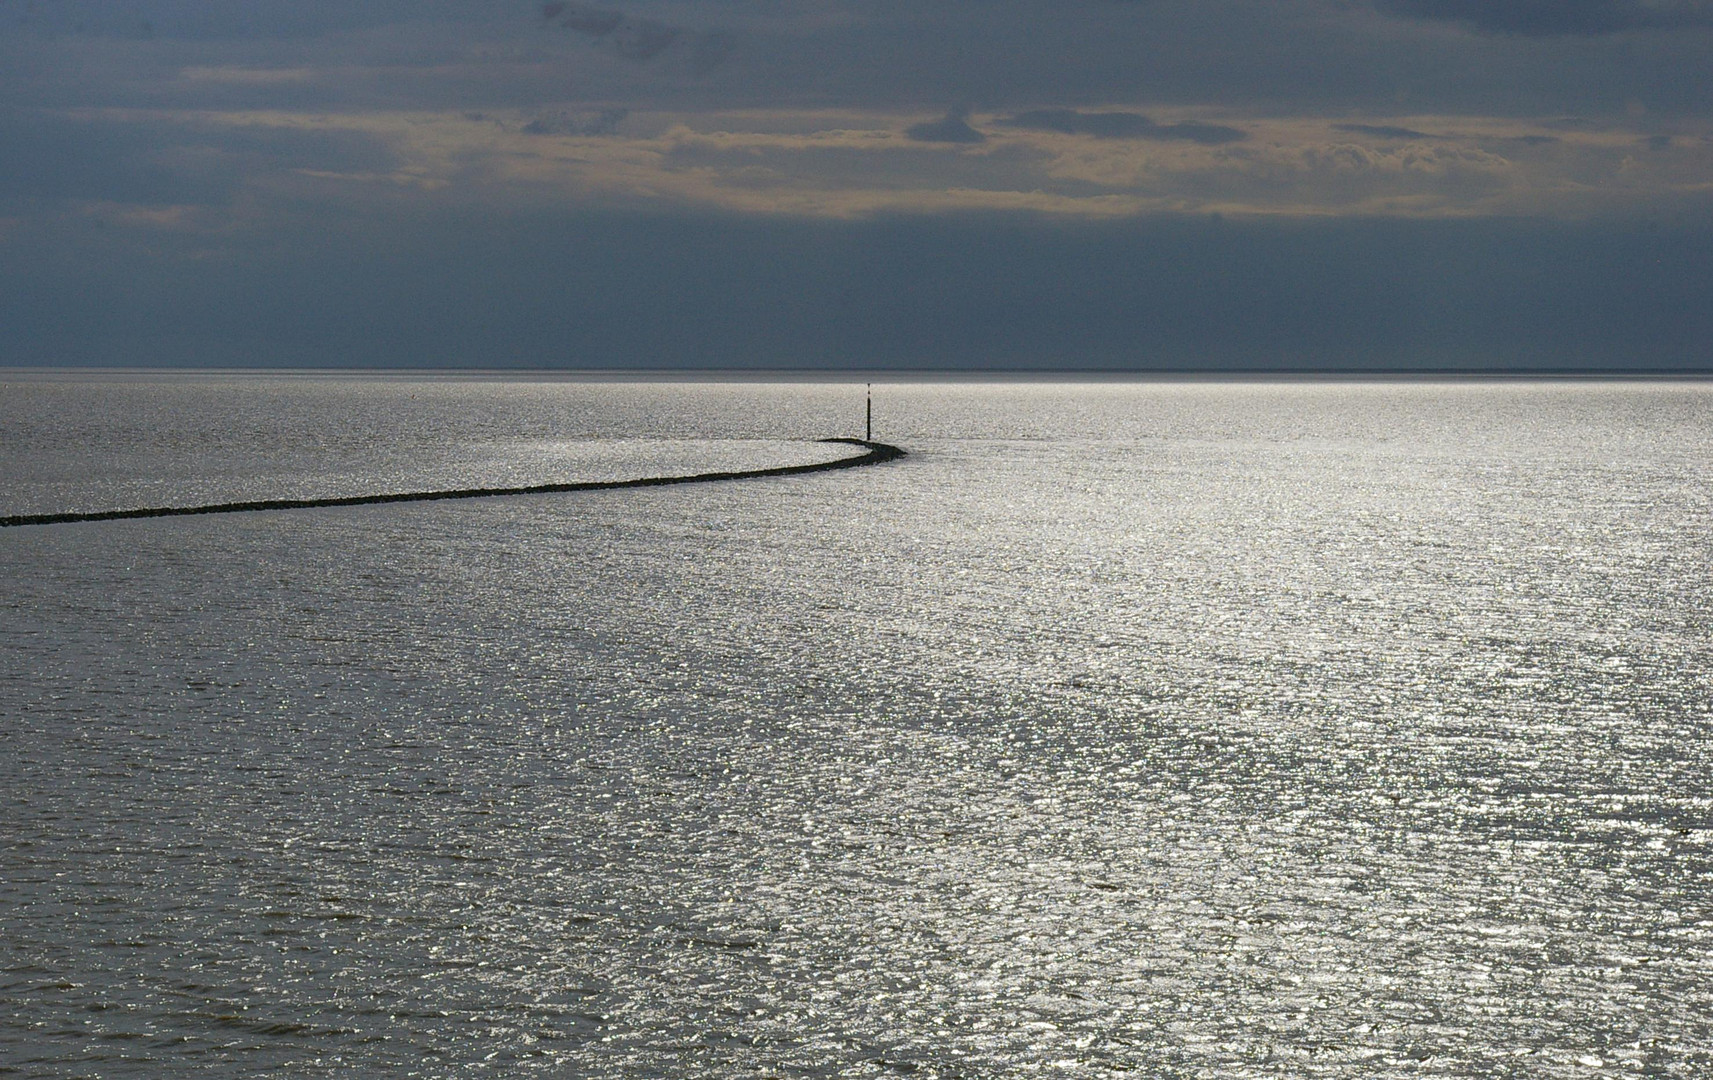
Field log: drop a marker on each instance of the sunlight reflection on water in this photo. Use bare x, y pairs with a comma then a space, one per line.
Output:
1196, 729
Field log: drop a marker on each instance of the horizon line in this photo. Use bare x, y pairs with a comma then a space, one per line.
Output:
868, 374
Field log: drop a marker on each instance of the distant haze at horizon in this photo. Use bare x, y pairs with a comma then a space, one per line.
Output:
985, 293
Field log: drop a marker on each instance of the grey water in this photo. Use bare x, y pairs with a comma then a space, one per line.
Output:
1186, 729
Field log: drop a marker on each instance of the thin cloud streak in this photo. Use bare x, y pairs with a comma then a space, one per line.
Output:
1122, 125
1383, 131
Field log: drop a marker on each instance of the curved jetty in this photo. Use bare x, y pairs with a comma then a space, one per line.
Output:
873, 454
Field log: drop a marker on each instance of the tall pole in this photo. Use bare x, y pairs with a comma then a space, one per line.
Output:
869, 436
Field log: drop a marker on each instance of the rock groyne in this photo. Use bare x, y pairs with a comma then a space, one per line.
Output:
873, 454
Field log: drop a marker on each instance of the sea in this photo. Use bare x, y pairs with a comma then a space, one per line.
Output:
1176, 729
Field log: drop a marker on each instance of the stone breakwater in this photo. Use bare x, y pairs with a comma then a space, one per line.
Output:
873, 454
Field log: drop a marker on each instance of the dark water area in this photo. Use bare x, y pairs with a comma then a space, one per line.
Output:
1179, 729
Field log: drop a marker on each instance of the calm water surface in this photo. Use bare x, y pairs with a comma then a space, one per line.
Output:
1186, 729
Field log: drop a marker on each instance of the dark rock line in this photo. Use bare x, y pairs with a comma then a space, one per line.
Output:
874, 454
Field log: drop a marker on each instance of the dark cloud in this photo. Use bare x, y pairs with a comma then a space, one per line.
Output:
1658, 142
584, 20
605, 122
953, 128
1384, 131
1556, 18
639, 39
1121, 125
631, 38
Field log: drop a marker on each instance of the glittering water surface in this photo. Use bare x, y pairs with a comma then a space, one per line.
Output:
73, 445
1200, 730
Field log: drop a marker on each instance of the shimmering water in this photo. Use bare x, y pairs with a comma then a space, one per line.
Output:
1200, 730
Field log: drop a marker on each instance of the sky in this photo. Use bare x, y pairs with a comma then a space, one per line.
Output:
777, 185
